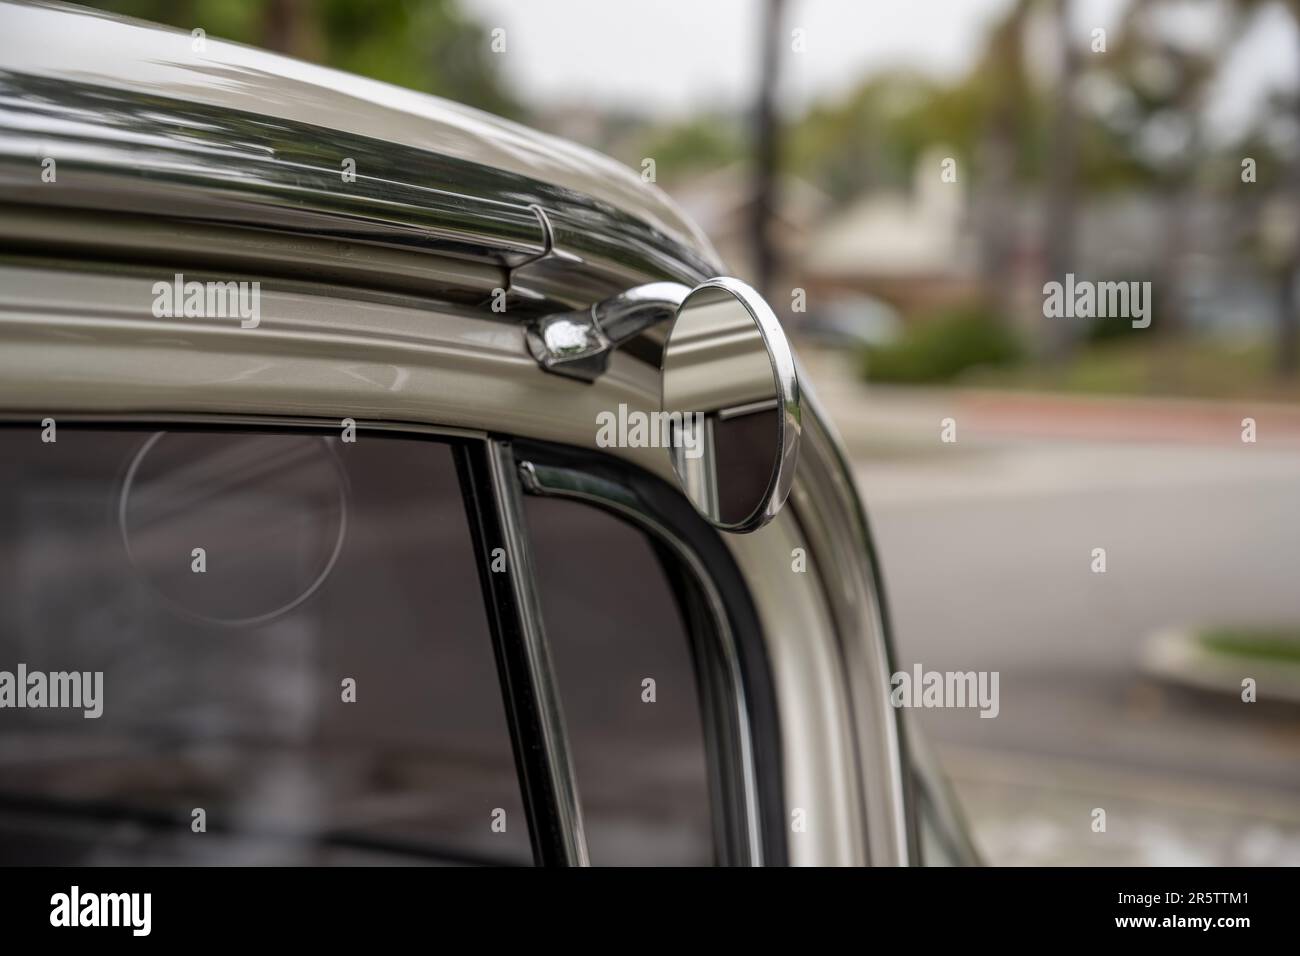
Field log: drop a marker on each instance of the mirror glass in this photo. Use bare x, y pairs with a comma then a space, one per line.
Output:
728, 410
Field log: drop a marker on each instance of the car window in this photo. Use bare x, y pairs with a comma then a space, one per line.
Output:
626, 678
283, 635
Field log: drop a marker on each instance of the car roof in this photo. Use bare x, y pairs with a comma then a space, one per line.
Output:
99, 86
62, 40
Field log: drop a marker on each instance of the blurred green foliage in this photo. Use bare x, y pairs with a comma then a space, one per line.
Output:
1276, 645
1116, 330
1142, 366
943, 346
699, 144
426, 45
874, 138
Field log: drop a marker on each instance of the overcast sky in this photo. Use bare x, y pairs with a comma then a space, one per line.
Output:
677, 56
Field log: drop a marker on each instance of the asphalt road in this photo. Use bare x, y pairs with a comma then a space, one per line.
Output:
1004, 582
987, 547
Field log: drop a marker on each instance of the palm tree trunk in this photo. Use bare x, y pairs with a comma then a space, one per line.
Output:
766, 151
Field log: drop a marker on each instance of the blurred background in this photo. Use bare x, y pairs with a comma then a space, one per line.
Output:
901, 178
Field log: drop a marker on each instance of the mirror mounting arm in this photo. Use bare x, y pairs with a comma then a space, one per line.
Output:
578, 343
728, 383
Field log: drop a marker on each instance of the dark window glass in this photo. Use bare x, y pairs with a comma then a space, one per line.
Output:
234, 589
743, 448
613, 622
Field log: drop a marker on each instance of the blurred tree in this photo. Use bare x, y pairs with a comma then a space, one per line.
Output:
998, 157
874, 137
1267, 210
1166, 82
1266, 213
426, 45
1059, 221
700, 143
1288, 305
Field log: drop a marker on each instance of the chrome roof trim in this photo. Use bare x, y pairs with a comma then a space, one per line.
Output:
68, 43
128, 152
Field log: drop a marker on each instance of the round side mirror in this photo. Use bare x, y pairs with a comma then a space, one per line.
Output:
732, 402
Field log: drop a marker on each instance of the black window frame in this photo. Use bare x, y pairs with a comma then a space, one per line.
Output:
734, 680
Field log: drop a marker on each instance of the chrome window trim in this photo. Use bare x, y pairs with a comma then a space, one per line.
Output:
849, 576
541, 676
551, 482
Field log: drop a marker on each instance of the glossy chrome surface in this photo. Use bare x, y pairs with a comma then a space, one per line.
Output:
207, 144
578, 343
541, 675
119, 151
722, 367
833, 524
727, 359
163, 67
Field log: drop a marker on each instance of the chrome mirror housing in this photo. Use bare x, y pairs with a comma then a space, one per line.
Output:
730, 395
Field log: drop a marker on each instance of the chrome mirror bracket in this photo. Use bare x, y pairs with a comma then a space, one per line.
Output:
729, 388
578, 343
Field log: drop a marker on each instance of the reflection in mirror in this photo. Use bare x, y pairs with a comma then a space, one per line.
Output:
268, 511
726, 406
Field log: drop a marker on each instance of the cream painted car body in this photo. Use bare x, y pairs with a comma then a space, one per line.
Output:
376, 305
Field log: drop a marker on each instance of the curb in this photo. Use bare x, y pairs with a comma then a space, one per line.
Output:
1177, 656
1188, 420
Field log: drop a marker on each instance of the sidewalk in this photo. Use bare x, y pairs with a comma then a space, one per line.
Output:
1034, 811
1090, 418
1024, 445
893, 412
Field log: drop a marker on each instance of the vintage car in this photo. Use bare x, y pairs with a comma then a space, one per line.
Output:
383, 482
